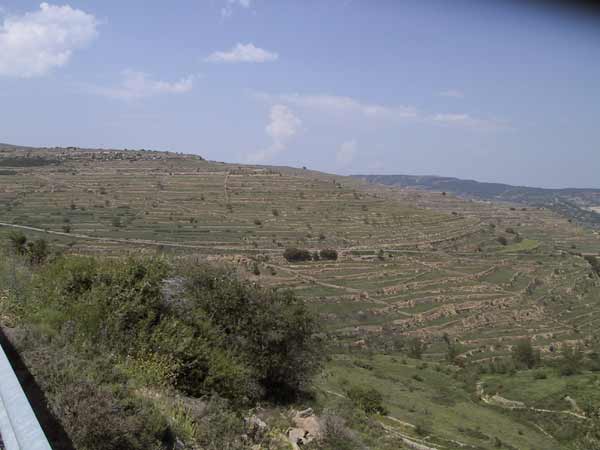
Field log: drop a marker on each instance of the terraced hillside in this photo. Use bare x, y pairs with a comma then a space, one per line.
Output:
411, 263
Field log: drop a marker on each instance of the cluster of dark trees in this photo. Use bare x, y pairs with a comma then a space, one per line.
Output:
293, 254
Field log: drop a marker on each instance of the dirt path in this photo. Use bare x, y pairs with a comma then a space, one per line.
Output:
113, 240
409, 441
513, 404
313, 279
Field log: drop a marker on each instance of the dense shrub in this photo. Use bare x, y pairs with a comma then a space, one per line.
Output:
96, 418
525, 355
36, 251
293, 254
571, 360
89, 398
594, 263
416, 347
329, 254
215, 334
368, 399
335, 435
17, 242
272, 331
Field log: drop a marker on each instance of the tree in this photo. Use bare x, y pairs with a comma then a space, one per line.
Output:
273, 331
116, 221
295, 254
38, 251
416, 347
368, 399
593, 261
18, 242
571, 360
523, 354
452, 349
329, 254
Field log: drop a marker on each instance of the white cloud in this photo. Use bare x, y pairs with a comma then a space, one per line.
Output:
36, 42
454, 93
282, 127
136, 85
468, 121
346, 153
227, 10
343, 105
248, 53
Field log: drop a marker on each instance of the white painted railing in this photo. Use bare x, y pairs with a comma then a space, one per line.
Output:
19, 427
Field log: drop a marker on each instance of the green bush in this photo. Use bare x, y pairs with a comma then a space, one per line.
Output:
367, 399
293, 254
272, 331
594, 263
217, 334
90, 398
571, 361
100, 334
17, 242
524, 355
416, 348
329, 254
37, 251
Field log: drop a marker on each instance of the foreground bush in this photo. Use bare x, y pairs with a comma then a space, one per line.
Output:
272, 331
215, 334
99, 332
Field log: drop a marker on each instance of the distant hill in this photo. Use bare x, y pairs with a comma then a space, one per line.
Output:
581, 205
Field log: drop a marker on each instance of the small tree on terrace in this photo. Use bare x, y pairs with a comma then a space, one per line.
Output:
416, 347
296, 254
38, 251
571, 360
18, 242
329, 254
524, 354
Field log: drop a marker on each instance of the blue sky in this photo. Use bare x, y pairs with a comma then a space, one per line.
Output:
488, 90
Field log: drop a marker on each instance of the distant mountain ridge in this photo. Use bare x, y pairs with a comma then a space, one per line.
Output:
579, 204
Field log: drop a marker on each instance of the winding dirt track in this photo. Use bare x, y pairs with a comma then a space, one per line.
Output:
487, 399
111, 240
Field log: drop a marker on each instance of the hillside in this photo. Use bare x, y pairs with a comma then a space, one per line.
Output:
581, 205
413, 266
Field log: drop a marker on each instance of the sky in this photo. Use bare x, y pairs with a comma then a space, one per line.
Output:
500, 91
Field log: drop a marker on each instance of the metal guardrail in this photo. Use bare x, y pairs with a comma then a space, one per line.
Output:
19, 426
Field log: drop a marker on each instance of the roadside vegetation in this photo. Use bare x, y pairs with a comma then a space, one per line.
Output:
141, 353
